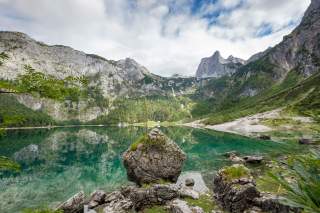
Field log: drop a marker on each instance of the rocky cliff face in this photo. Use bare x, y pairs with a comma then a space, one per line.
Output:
301, 49
113, 77
107, 79
297, 55
216, 66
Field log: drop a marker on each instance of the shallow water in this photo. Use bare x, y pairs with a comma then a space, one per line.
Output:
58, 163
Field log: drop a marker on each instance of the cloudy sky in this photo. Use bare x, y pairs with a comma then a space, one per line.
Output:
166, 36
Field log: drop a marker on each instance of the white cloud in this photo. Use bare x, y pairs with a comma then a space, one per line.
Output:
163, 35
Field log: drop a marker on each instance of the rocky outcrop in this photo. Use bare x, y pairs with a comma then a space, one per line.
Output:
155, 158
74, 204
134, 198
105, 79
299, 50
155, 195
97, 198
216, 66
249, 159
235, 194
272, 203
181, 206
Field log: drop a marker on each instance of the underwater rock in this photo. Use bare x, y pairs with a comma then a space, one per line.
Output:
154, 158
236, 159
264, 137
28, 154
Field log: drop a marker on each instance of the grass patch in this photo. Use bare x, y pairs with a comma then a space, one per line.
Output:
7, 164
235, 172
144, 139
205, 202
141, 139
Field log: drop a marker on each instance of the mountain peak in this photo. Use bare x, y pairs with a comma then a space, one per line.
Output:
216, 66
216, 54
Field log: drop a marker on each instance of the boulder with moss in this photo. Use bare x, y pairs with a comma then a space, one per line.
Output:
234, 188
153, 158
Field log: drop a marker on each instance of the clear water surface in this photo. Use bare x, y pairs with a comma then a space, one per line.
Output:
59, 163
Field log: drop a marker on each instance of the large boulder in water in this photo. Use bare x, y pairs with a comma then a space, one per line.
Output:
153, 158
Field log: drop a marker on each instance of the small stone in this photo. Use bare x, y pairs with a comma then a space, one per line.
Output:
264, 137
187, 192
253, 159
197, 209
234, 158
305, 141
231, 153
189, 182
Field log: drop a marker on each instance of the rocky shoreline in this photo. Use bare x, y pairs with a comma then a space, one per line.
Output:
154, 164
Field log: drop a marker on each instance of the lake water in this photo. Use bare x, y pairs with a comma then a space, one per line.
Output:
59, 163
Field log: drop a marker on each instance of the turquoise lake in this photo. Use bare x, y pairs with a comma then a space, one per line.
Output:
58, 163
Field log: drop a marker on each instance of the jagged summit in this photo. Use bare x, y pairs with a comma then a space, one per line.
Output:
216, 66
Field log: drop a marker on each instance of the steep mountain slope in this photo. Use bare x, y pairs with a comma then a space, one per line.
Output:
70, 85
276, 71
216, 66
114, 78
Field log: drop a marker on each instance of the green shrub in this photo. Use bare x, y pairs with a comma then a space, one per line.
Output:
3, 57
205, 202
144, 139
7, 164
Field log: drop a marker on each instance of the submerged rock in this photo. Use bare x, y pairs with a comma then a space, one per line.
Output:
246, 159
154, 158
264, 137
236, 159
